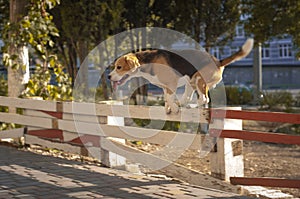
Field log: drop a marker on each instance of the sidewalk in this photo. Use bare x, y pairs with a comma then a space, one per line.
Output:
27, 175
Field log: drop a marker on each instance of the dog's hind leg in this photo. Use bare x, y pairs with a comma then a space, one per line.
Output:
202, 90
188, 90
187, 95
170, 105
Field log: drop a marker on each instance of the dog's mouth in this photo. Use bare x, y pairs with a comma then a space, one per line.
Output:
120, 82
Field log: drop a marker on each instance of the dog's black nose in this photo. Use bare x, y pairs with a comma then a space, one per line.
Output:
109, 76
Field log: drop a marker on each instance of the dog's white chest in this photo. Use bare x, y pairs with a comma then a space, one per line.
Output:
153, 79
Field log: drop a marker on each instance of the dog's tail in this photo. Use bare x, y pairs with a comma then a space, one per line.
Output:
243, 52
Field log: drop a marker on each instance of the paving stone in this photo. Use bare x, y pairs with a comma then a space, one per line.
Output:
27, 175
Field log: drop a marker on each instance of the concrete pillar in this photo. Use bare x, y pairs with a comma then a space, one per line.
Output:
108, 158
227, 159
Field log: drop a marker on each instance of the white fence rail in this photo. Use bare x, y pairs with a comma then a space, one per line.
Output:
74, 127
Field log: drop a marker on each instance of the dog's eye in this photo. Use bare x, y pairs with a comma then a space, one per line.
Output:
119, 67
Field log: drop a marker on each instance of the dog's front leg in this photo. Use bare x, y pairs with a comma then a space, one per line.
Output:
202, 100
170, 104
202, 90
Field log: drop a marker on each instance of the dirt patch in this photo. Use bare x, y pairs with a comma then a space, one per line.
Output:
260, 159
273, 160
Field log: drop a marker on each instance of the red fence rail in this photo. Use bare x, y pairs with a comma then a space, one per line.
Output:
267, 182
257, 136
257, 116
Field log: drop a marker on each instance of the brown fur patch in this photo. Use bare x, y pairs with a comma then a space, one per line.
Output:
201, 84
126, 63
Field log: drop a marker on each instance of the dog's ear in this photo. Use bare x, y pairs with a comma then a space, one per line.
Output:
132, 61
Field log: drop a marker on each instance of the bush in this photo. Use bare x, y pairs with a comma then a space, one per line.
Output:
293, 129
238, 96
297, 100
277, 101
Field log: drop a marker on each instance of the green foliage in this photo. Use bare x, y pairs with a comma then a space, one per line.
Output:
40, 84
3, 86
37, 30
238, 96
277, 101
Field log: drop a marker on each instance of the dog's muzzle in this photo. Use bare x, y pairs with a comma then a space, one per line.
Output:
115, 84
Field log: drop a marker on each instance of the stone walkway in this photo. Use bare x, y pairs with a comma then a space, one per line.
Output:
27, 175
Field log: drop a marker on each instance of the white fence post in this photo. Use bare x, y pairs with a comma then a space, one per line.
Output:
227, 159
108, 158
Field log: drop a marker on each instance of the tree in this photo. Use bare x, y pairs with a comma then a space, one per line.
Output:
16, 55
267, 19
83, 25
108, 20
211, 22
138, 10
31, 26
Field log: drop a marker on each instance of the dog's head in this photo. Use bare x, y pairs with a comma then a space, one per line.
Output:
124, 69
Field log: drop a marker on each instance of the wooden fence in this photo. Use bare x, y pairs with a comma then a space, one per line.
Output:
263, 137
94, 129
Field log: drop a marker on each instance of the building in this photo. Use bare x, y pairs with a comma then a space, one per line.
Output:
281, 68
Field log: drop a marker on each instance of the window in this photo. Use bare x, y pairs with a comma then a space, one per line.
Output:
240, 31
265, 53
226, 51
234, 49
215, 52
285, 50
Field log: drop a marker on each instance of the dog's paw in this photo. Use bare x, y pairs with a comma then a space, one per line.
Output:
175, 108
206, 115
168, 109
172, 109
188, 106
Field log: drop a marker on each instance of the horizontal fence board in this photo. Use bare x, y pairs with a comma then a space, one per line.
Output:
134, 111
257, 116
267, 182
26, 120
85, 118
12, 133
28, 103
257, 136
67, 147
36, 113
154, 136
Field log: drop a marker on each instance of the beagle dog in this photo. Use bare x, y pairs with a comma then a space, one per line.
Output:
195, 69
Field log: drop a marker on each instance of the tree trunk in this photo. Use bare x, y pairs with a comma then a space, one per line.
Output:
84, 65
20, 76
257, 67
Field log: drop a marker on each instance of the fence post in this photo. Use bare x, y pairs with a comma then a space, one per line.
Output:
108, 158
227, 157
